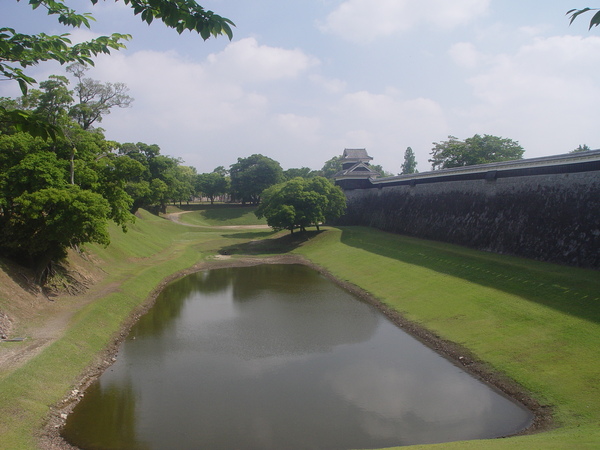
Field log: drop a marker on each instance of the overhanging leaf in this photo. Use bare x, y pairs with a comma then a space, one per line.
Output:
595, 20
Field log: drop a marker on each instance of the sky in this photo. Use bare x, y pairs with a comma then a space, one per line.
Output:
303, 79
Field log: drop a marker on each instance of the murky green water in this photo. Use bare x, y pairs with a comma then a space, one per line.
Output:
278, 357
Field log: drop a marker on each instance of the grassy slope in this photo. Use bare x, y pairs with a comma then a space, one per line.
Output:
216, 215
538, 323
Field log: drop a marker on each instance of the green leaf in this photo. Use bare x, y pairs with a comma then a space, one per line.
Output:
595, 20
205, 33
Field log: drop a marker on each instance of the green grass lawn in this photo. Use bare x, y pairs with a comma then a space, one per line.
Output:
537, 323
220, 214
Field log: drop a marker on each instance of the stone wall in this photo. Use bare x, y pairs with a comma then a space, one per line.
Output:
547, 212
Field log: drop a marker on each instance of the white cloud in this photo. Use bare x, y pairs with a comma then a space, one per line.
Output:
387, 124
248, 61
209, 112
545, 95
300, 127
172, 93
465, 55
231, 105
366, 20
332, 86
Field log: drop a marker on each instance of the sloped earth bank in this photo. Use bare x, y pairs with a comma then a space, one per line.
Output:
176, 217
39, 316
50, 438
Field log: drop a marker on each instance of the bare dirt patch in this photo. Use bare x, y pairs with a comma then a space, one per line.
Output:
40, 316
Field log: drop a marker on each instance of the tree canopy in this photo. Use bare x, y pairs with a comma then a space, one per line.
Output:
331, 167
55, 194
302, 172
212, 184
581, 148
381, 171
61, 181
301, 202
95, 99
410, 162
475, 150
252, 175
41, 213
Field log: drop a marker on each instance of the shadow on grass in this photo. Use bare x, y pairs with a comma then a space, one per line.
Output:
201, 206
250, 235
20, 275
572, 291
220, 212
270, 246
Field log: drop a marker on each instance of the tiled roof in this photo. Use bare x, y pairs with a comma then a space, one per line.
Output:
359, 169
356, 153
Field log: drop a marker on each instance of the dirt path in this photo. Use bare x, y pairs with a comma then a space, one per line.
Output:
50, 319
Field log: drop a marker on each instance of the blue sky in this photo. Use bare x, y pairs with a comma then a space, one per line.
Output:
302, 80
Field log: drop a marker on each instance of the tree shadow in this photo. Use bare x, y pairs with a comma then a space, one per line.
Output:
227, 212
220, 212
21, 276
251, 234
569, 290
276, 245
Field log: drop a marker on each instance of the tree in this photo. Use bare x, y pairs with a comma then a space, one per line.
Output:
301, 202
52, 103
96, 99
43, 210
221, 171
20, 51
41, 214
303, 172
112, 175
475, 150
410, 163
212, 184
594, 21
161, 178
144, 186
380, 170
331, 167
252, 175
185, 186
581, 148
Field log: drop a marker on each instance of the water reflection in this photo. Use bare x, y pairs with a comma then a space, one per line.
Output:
114, 410
279, 357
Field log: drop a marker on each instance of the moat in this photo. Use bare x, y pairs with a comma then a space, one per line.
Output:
278, 356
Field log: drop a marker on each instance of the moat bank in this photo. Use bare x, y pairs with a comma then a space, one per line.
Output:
531, 322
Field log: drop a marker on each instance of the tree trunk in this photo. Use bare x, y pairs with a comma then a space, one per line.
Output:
42, 269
